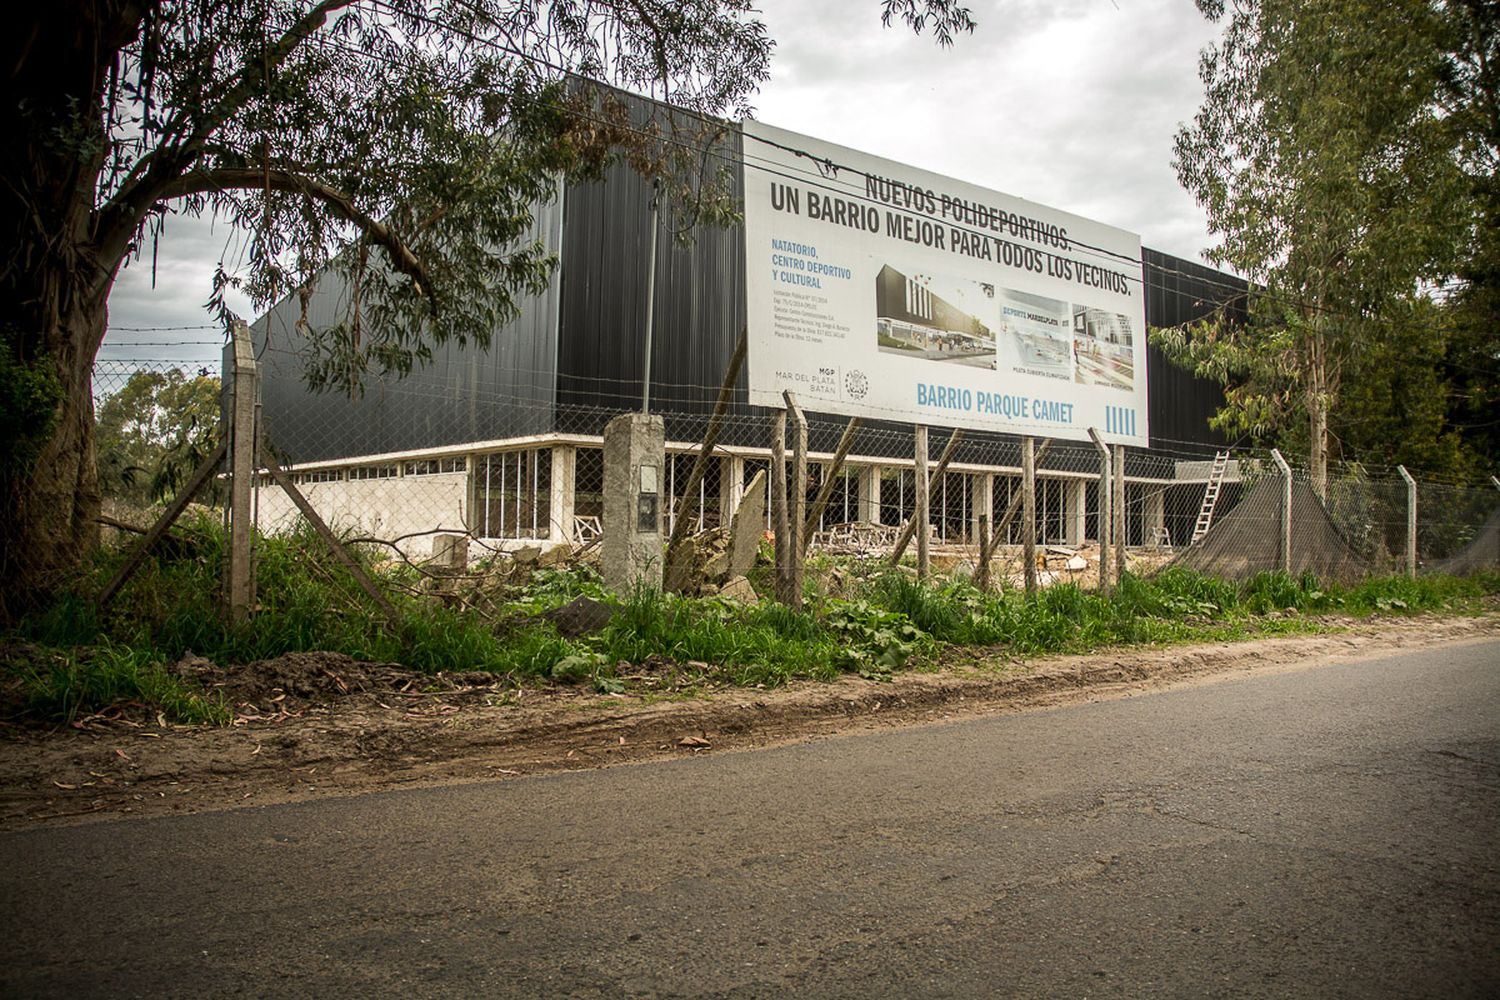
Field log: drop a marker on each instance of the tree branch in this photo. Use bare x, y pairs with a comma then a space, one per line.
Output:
223, 179
143, 187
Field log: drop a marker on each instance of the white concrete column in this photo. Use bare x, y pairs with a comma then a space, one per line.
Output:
869, 494
1075, 513
560, 494
1156, 513
731, 487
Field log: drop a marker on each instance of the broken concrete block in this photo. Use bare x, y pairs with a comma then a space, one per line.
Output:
740, 589
748, 528
717, 566
450, 552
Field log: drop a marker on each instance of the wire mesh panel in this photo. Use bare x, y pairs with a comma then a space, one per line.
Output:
1218, 510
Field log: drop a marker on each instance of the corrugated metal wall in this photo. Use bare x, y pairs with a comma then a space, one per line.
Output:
575, 356
699, 301
1180, 291
464, 395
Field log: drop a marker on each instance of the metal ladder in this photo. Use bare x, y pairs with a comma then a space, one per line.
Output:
1211, 495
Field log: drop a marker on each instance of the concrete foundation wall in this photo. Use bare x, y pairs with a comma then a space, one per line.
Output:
381, 508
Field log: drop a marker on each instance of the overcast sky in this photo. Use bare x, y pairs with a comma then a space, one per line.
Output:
1070, 103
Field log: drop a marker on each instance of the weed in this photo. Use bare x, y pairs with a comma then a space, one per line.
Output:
59, 686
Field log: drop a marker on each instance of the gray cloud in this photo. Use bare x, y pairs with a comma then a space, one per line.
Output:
1072, 103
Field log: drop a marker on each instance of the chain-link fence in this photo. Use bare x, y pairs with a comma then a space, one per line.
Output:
525, 474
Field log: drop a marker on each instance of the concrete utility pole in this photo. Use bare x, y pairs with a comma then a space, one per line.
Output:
1104, 519
1286, 510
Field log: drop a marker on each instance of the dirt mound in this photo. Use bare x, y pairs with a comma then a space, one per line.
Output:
310, 678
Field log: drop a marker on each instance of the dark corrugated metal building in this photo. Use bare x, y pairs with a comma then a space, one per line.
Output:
574, 357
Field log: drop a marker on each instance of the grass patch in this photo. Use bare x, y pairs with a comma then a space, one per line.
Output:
59, 686
888, 621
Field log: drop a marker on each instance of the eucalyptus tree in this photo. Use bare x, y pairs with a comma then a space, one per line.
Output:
398, 142
1330, 174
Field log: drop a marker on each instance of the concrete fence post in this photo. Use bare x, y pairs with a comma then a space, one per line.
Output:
1286, 510
243, 392
1411, 521
1104, 521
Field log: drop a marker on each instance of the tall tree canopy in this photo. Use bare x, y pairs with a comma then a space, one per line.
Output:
1342, 153
401, 142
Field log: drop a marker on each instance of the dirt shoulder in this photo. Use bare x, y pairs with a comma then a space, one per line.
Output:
314, 725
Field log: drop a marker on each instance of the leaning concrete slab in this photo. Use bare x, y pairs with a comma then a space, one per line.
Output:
749, 527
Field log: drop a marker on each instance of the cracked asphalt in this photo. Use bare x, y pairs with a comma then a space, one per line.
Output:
1326, 831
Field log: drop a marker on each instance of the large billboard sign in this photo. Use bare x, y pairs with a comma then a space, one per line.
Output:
880, 290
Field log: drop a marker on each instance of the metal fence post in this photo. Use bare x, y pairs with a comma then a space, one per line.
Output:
1104, 519
1411, 521
1286, 510
241, 433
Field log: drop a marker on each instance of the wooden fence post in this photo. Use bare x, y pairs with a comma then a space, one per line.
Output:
1028, 510
909, 530
1104, 505
919, 516
777, 486
796, 514
1117, 509
676, 575
992, 540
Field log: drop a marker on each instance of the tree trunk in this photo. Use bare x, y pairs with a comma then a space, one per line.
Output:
54, 284
52, 520
1317, 412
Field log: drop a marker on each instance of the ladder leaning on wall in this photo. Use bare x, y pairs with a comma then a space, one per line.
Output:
1211, 495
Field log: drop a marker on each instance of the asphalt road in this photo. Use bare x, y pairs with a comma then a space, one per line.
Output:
1324, 832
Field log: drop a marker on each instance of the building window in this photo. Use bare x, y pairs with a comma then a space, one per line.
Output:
434, 466
321, 476
373, 472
